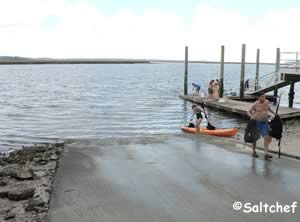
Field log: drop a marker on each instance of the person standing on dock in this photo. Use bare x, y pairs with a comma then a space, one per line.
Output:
247, 84
258, 112
216, 90
210, 89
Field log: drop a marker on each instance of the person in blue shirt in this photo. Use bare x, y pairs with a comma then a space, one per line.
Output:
196, 88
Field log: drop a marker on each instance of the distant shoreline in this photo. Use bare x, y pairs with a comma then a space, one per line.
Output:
6, 60
206, 62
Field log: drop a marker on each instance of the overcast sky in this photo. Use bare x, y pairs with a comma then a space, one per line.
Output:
156, 29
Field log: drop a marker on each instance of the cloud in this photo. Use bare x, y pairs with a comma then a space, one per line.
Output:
56, 28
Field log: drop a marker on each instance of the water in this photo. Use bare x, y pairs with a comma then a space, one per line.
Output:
44, 103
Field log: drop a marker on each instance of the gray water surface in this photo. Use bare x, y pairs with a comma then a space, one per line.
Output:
43, 103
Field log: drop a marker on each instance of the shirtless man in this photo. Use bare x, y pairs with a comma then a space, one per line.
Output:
259, 112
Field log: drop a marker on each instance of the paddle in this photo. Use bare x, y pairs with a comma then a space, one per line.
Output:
277, 108
209, 125
278, 103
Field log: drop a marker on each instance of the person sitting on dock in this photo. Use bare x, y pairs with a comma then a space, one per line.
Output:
198, 111
259, 113
196, 89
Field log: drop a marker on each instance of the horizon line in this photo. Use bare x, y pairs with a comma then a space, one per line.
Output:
15, 60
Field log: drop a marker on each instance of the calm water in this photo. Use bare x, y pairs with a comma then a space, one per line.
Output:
43, 103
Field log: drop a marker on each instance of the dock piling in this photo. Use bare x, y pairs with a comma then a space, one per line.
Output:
277, 60
277, 73
256, 87
186, 72
242, 81
291, 94
222, 71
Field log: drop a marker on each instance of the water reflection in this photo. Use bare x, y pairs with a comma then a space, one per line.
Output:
263, 168
185, 111
267, 168
253, 166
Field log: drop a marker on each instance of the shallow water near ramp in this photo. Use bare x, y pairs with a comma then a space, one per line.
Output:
46, 103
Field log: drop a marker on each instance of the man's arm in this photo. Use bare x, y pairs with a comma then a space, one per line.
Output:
251, 110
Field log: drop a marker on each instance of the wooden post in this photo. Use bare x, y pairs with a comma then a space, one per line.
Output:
186, 72
222, 71
291, 94
277, 68
256, 87
297, 59
277, 60
242, 81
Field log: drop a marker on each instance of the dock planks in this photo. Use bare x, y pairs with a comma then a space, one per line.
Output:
240, 107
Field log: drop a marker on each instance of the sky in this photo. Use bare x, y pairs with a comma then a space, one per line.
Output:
149, 29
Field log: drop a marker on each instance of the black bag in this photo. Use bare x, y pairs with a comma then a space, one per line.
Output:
251, 133
276, 128
210, 127
191, 125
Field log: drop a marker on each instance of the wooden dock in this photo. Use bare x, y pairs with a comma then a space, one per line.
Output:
239, 107
251, 98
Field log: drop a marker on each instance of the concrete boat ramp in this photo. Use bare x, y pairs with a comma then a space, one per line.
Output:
180, 179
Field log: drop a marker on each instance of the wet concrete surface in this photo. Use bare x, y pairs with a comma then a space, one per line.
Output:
185, 179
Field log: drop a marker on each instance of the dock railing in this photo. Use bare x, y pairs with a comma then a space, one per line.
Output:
264, 81
290, 62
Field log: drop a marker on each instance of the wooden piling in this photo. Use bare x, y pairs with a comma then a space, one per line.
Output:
186, 72
256, 87
222, 71
291, 94
242, 81
277, 68
277, 60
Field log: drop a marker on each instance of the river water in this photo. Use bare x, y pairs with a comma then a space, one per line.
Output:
44, 103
